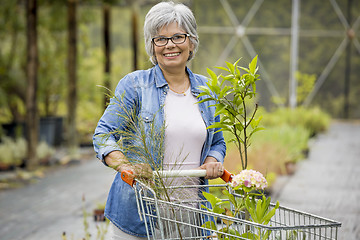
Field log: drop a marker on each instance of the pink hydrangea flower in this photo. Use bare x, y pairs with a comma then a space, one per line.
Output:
250, 179
247, 183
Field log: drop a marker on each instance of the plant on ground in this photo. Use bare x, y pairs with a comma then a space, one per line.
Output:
278, 145
44, 151
13, 151
312, 119
101, 229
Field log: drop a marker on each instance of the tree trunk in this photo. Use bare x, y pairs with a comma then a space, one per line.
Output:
71, 140
107, 50
31, 74
134, 31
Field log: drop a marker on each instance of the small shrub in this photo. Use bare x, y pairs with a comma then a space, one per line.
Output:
44, 152
272, 148
293, 138
269, 158
313, 119
13, 151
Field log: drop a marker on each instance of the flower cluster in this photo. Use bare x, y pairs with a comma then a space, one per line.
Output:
250, 179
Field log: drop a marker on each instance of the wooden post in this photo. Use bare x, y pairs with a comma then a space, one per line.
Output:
134, 31
31, 74
107, 49
72, 78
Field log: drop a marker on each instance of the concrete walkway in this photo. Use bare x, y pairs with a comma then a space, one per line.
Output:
46, 209
327, 184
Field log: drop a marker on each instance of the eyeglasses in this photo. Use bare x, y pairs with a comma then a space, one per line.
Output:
176, 39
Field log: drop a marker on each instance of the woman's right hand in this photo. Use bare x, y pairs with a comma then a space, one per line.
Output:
142, 170
117, 161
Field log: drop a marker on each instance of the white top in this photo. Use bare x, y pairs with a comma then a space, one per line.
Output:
185, 134
185, 131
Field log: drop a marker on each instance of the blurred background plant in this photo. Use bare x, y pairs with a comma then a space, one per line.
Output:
284, 141
13, 152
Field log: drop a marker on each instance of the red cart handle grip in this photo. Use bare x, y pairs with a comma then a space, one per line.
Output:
128, 177
227, 176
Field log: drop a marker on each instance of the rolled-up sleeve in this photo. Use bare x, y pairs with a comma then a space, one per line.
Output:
106, 137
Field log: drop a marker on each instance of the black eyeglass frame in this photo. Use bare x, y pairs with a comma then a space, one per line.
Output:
171, 38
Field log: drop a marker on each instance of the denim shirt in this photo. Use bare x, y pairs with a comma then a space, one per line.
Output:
148, 88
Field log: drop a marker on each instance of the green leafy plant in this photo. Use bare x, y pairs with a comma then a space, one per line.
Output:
313, 119
278, 145
231, 94
306, 84
13, 151
248, 183
218, 207
261, 213
293, 235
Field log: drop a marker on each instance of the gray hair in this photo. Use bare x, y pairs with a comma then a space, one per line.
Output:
163, 14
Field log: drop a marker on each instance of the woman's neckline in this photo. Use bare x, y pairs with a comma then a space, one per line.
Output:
184, 93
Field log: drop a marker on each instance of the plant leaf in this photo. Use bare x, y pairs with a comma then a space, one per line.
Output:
209, 225
222, 68
252, 65
249, 235
230, 214
231, 67
213, 77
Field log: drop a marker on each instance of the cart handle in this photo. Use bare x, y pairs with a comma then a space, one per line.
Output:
129, 177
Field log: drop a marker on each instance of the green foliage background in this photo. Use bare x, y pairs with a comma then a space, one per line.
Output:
273, 51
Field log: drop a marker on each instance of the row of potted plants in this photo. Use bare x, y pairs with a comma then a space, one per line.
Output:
13, 152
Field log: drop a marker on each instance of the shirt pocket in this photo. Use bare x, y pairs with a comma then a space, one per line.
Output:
147, 117
146, 122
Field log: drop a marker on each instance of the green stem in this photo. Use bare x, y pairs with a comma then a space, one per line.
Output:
245, 135
238, 145
238, 139
247, 214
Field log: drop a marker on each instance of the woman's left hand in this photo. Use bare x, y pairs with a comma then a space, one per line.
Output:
214, 169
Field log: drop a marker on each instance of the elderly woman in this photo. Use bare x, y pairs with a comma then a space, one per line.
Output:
169, 90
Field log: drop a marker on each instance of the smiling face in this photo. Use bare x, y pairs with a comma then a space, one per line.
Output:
172, 56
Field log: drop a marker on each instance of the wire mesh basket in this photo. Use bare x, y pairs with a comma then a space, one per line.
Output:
186, 219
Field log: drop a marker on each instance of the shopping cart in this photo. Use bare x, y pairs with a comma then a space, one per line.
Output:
186, 219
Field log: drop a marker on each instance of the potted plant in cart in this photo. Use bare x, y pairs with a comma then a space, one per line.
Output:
232, 95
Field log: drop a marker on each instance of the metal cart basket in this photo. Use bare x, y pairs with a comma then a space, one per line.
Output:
187, 220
